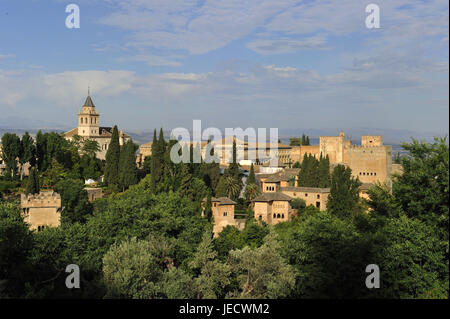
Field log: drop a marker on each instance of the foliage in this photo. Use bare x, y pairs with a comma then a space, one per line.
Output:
262, 272
33, 184
412, 259
127, 165
74, 200
313, 172
112, 159
213, 275
344, 193
11, 149
423, 189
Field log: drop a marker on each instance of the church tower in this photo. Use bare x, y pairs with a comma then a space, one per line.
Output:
88, 119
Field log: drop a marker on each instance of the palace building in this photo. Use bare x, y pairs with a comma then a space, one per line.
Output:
89, 128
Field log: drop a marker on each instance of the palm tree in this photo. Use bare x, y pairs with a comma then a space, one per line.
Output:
251, 192
231, 187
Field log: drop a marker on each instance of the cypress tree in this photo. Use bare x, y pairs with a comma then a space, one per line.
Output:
162, 141
28, 152
153, 164
127, 165
157, 167
221, 189
324, 172
344, 193
302, 175
251, 176
33, 185
186, 189
208, 209
41, 145
112, 159
171, 170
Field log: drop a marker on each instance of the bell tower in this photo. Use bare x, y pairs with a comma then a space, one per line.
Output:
88, 119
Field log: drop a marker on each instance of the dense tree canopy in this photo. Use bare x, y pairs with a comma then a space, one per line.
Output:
150, 240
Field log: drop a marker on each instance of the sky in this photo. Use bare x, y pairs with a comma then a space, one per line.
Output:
230, 63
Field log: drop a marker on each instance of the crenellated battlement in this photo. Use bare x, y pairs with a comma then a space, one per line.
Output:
368, 147
43, 199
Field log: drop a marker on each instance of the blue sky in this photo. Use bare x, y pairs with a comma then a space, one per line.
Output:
260, 63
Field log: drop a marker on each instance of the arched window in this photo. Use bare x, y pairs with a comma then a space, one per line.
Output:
274, 215
282, 216
278, 216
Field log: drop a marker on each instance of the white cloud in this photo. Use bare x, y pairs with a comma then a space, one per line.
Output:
286, 45
151, 60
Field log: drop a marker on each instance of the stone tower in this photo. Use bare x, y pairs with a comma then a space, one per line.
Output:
88, 119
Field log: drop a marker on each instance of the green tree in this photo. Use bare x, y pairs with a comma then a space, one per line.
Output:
382, 203
422, 190
11, 150
172, 171
90, 147
229, 239
309, 172
323, 168
412, 259
28, 152
251, 192
186, 189
54, 173
33, 184
41, 142
232, 188
112, 159
262, 272
329, 255
295, 141
74, 200
299, 204
251, 176
127, 165
212, 275
157, 164
344, 193
131, 270
16, 243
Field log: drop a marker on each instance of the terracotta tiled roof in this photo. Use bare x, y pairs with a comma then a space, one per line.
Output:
103, 130
72, 132
305, 189
221, 200
284, 175
269, 197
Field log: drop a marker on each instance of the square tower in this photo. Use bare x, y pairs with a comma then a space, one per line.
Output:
88, 119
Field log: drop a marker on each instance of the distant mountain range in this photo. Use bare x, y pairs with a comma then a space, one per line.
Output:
390, 136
